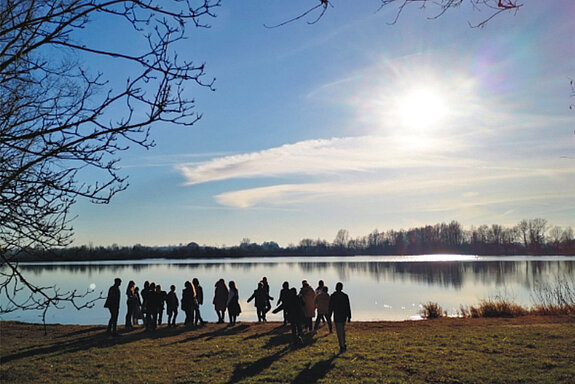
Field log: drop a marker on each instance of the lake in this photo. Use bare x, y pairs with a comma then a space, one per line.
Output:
391, 288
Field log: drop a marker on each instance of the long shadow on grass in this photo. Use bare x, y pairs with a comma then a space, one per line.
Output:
226, 331
314, 373
309, 375
278, 332
94, 340
79, 332
245, 370
284, 337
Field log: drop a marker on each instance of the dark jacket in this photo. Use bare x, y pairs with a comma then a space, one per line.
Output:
284, 293
188, 299
234, 308
261, 296
162, 296
172, 301
221, 297
293, 304
113, 299
154, 301
199, 294
339, 307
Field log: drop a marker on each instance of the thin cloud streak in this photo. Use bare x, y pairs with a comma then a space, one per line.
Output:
446, 182
324, 157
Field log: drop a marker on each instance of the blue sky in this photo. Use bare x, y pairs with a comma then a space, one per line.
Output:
354, 123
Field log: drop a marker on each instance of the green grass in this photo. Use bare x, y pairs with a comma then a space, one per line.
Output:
527, 349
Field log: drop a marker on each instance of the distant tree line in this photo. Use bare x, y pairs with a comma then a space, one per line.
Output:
528, 237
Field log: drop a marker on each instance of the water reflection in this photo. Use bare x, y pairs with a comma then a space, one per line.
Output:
446, 274
379, 289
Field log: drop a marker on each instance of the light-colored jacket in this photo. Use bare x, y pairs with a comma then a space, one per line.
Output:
308, 295
322, 303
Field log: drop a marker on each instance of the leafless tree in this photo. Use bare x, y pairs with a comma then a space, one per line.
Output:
62, 126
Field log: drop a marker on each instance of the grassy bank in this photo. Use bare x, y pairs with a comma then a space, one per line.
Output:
528, 349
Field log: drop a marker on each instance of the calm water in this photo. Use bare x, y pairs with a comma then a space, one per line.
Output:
380, 288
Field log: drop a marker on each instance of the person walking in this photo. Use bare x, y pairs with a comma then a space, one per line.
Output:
113, 305
199, 301
233, 303
266, 285
307, 295
293, 305
221, 300
172, 306
262, 301
322, 305
340, 308
282, 300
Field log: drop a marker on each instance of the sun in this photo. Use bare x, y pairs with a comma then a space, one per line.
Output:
420, 108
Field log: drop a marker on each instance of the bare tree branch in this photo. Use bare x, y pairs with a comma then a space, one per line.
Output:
323, 5
60, 124
440, 7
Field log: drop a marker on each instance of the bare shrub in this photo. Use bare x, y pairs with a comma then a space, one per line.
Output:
500, 308
432, 310
474, 312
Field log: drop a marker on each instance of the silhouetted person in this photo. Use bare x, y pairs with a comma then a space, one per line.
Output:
340, 308
221, 300
262, 301
145, 293
283, 297
152, 305
322, 305
113, 305
172, 306
268, 305
308, 297
319, 289
233, 303
131, 303
188, 303
293, 304
138, 312
161, 297
199, 301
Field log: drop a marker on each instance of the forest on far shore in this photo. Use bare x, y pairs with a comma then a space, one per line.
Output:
528, 237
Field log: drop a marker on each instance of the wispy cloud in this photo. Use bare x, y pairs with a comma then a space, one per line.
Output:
439, 169
169, 160
432, 193
323, 157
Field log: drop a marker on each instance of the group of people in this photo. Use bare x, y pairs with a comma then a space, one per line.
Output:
149, 304
299, 308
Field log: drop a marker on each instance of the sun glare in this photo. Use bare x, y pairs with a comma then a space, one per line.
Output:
420, 109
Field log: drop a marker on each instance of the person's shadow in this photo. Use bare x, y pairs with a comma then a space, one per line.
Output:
243, 371
314, 373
